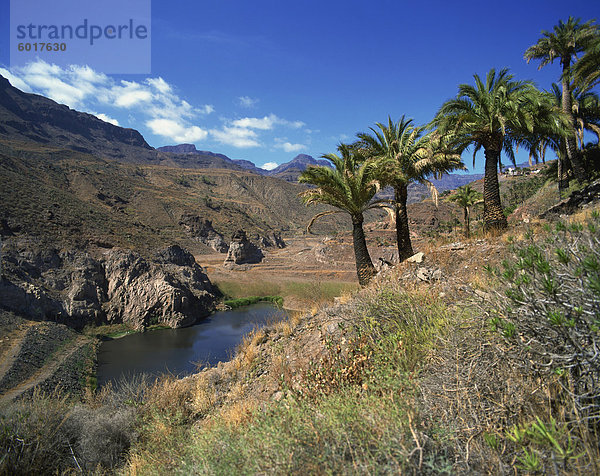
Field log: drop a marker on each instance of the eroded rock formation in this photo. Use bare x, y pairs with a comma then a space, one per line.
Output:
76, 289
202, 230
242, 250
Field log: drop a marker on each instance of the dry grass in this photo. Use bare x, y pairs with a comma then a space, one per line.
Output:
237, 413
461, 381
204, 395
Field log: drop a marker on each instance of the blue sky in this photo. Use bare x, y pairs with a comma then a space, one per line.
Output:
266, 80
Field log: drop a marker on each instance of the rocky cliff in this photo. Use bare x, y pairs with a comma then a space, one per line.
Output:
74, 288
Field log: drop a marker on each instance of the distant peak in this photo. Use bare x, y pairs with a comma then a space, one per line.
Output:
303, 157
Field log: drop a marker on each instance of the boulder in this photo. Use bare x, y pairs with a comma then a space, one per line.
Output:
416, 258
242, 251
264, 241
278, 240
273, 240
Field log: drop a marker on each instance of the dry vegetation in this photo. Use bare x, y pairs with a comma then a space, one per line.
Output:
405, 376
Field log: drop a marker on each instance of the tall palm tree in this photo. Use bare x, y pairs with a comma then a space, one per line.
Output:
466, 197
586, 114
493, 115
564, 42
349, 187
405, 154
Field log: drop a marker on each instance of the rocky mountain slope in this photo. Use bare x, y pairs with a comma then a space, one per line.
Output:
76, 199
34, 118
187, 156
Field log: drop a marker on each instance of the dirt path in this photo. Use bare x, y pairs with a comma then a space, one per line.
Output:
8, 355
44, 373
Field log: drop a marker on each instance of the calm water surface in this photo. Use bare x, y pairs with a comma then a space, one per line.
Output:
180, 351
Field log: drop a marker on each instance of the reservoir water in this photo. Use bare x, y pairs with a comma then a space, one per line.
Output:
181, 351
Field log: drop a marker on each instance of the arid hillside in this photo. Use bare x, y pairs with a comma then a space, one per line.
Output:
64, 196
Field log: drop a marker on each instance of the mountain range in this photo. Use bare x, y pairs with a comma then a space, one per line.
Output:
26, 117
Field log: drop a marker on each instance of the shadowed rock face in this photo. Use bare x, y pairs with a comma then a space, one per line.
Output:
30, 117
75, 289
576, 201
267, 241
242, 250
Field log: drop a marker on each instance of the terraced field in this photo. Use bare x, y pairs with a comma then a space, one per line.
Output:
41, 354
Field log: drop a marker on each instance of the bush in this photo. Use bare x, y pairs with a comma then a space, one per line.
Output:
553, 308
49, 434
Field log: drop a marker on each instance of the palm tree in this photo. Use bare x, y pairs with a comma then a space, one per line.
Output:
466, 197
586, 114
494, 115
404, 154
564, 43
587, 69
349, 187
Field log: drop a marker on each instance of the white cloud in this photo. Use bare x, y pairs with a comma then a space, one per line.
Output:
153, 102
247, 101
266, 123
159, 84
242, 133
236, 137
289, 147
87, 74
80, 87
57, 89
207, 109
15, 80
176, 131
128, 94
270, 166
106, 118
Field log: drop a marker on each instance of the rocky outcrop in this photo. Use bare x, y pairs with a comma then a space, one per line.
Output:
576, 201
278, 240
73, 288
203, 231
171, 290
273, 240
242, 251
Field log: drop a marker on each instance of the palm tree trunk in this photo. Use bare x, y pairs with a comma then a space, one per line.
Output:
467, 223
561, 177
493, 215
405, 249
364, 265
567, 107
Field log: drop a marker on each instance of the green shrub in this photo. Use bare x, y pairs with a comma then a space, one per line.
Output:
240, 302
551, 304
519, 191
